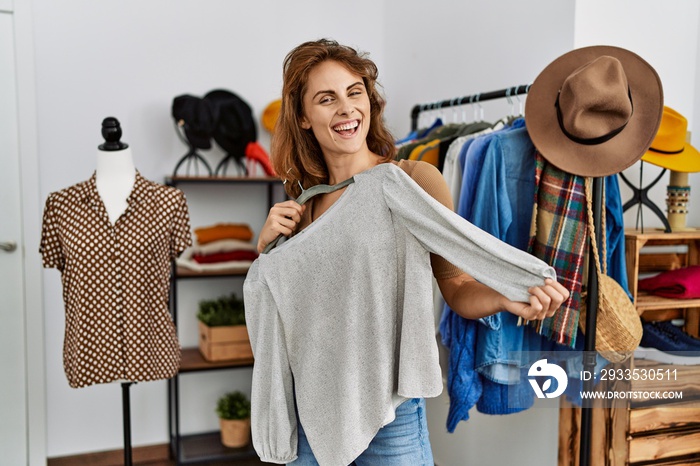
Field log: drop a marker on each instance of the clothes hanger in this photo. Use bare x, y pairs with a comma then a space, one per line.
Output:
520, 106
510, 116
307, 194
453, 104
480, 117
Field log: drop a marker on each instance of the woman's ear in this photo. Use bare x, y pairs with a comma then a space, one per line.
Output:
305, 123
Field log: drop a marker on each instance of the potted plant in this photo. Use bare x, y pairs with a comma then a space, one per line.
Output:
233, 410
222, 331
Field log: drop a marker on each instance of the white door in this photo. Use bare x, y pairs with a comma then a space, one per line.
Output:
13, 402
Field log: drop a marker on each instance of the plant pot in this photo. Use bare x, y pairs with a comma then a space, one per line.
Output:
224, 343
235, 433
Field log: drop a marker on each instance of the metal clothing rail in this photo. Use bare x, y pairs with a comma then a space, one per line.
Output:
471, 99
589, 352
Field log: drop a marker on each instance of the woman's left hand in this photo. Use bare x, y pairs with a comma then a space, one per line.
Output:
544, 301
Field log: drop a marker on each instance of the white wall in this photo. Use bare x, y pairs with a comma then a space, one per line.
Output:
665, 34
461, 48
129, 59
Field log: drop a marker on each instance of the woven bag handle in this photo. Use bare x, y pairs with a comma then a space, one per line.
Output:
591, 228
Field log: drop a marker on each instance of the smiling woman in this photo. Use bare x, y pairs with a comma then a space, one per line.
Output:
345, 351
322, 75
337, 111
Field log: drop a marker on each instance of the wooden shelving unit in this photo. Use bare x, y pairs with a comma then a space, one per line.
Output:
647, 432
205, 447
192, 361
182, 272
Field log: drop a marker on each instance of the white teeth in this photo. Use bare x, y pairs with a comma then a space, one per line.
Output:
346, 126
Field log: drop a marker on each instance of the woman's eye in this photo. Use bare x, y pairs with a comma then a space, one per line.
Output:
354, 93
325, 100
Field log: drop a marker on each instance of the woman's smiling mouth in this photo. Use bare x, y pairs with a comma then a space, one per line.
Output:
347, 128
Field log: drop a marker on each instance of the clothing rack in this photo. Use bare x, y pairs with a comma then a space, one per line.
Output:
589, 352
471, 99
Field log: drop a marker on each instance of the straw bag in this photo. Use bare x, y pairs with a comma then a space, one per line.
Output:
618, 326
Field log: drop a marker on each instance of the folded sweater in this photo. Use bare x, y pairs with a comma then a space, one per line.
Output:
341, 314
679, 284
221, 231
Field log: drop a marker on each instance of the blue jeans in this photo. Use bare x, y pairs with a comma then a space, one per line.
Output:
403, 442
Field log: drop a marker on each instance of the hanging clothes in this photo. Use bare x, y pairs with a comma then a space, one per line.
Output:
560, 238
439, 133
615, 230
453, 168
116, 279
480, 372
459, 334
484, 367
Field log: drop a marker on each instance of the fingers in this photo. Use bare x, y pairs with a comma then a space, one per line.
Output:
282, 219
287, 209
543, 302
556, 293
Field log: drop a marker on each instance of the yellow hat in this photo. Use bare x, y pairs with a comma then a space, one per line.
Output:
669, 148
270, 114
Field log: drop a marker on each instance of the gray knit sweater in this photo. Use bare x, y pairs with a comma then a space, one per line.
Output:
341, 314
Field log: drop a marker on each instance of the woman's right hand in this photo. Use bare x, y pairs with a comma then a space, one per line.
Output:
282, 219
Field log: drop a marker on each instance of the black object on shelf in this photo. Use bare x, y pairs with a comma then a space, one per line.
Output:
192, 158
589, 352
640, 197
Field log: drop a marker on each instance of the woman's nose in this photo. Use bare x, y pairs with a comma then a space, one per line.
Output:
345, 107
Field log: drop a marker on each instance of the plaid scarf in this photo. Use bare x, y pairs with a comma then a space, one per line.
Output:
558, 237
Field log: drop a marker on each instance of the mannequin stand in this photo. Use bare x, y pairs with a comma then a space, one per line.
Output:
640, 196
112, 133
191, 158
126, 415
232, 160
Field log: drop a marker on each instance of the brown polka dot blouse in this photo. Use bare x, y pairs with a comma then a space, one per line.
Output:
116, 280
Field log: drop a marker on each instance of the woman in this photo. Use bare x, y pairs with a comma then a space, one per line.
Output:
330, 129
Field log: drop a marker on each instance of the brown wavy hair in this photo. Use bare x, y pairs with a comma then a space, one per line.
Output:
295, 152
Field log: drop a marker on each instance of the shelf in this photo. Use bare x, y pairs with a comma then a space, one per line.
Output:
660, 260
193, 361
207, 447
176, 180
655, 234
650, 302
183, 272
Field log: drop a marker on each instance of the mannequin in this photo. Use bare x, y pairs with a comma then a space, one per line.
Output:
115, 174
110, 236
113, 238
114, 179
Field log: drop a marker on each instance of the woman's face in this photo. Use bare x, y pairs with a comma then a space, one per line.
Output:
336, 108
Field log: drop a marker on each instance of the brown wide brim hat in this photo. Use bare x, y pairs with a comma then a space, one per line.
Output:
615, 154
